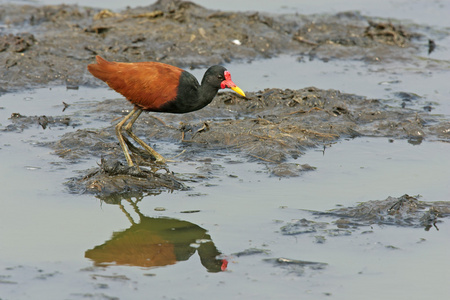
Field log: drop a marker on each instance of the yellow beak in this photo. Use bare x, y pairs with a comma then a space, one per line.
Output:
238, 90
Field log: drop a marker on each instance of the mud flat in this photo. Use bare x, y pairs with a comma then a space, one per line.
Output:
43, 45
272, 126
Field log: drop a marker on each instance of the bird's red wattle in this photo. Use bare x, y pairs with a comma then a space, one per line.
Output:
227, 82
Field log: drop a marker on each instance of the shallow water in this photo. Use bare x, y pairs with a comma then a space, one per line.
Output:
45, 231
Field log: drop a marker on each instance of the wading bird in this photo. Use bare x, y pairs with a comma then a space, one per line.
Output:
158, 87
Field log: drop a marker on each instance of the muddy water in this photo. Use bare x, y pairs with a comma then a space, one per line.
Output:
46, 233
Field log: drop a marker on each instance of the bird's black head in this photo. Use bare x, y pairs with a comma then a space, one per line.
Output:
214, 76
219, 78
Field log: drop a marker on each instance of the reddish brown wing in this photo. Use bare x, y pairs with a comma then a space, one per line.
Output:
145, 84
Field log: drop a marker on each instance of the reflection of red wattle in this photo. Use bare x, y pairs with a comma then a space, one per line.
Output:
224, 264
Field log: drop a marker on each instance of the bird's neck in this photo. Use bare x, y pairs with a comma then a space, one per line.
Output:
206, 94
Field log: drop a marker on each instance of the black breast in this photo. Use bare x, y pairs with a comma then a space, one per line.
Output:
187, 99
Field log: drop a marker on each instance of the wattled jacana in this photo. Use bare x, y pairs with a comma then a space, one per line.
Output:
158, 87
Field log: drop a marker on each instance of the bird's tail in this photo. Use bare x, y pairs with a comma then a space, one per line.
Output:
102, 69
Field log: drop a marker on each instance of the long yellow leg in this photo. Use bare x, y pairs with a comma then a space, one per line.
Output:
120, 137
128, 128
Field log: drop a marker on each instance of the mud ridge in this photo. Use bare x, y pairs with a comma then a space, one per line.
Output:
272, 126
405, 211
43, 45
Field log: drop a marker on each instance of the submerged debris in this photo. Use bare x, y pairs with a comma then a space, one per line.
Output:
303, 263
251, 251
303, 226
21, 122
402, 211
295, 266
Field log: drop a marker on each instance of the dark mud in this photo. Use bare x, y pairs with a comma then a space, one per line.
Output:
42, 45
112, 179
272, 126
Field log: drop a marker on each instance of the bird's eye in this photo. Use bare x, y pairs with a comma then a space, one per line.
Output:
220, 77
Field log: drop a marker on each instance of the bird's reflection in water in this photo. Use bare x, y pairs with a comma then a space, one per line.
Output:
156, 242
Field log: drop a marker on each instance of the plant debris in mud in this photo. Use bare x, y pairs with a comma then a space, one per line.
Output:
45, 44
400, 211
251, 251
21, 122
295, 266
112, 179
269, 126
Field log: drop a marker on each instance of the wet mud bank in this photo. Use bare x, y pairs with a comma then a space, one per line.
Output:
42, 45
407, 211
273, 127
